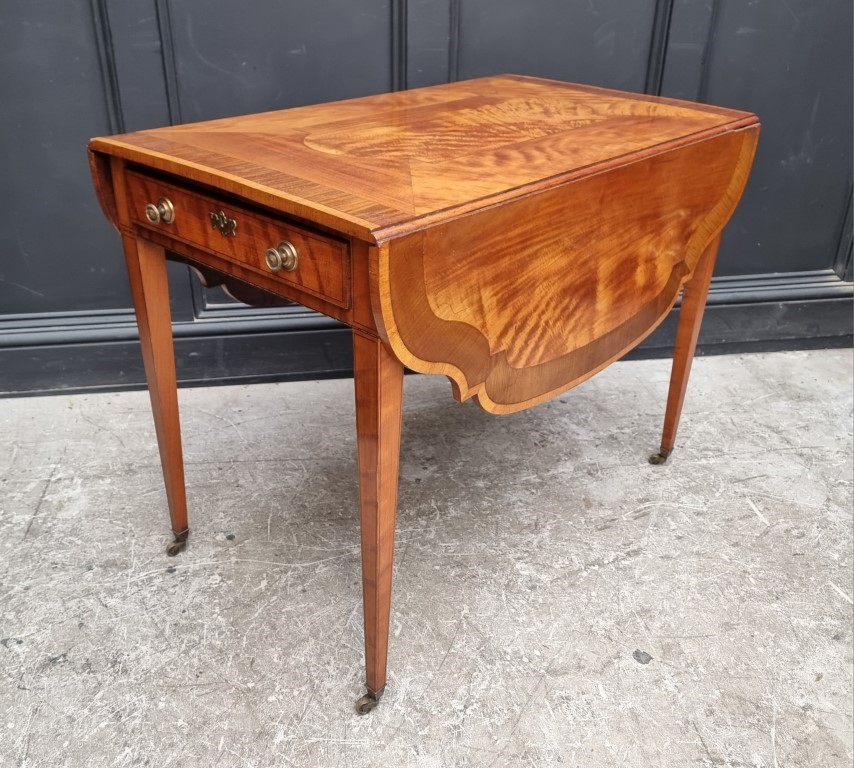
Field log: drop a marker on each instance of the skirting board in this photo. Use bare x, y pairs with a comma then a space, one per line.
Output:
314, 353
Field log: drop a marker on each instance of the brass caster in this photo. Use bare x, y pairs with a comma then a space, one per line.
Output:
178, 543
660, 457
367, 702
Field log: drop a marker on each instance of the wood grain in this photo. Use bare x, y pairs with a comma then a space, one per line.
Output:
237, 289
387, 165
521, 301
379, 398
323, 269
690, 318
146, 265
359, 315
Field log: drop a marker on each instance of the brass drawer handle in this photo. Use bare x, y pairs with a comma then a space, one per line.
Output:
163, 211
283, 256
223, 223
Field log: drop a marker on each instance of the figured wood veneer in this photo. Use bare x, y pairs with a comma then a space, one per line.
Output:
385, 165
522, 301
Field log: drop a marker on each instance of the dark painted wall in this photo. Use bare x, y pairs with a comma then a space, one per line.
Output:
72, 69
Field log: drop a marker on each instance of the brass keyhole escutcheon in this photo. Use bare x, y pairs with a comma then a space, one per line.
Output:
225, 224
162, 212
283, 256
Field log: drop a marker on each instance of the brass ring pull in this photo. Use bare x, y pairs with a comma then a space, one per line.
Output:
162, 212
284, 256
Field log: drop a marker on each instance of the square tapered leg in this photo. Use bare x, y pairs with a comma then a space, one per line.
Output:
149, 285
379, 396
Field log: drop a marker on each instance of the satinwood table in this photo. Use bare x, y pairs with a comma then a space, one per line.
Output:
514, 234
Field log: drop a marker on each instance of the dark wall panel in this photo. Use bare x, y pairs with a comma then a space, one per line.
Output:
791, 63
428, 35
236, 58
56, 249
137, 48
687, 45
603, 43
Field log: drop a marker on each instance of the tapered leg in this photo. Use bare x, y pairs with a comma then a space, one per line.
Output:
379, 395
146, 264
690, 317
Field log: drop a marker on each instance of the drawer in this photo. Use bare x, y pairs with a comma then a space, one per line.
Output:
310, 261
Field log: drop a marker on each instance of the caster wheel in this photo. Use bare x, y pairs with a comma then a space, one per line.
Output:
178, 544
659, 458
366, 703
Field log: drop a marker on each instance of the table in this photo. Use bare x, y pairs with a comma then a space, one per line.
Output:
514, 234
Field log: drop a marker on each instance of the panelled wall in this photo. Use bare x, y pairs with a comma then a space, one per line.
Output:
73, 69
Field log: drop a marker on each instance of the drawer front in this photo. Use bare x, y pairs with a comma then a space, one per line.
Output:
310, 261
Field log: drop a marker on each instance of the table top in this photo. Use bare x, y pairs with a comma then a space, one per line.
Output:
517, 234
388, 165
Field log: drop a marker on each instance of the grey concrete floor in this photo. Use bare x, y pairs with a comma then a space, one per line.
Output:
557, 600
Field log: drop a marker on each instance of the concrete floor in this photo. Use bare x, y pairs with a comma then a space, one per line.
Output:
558, 601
